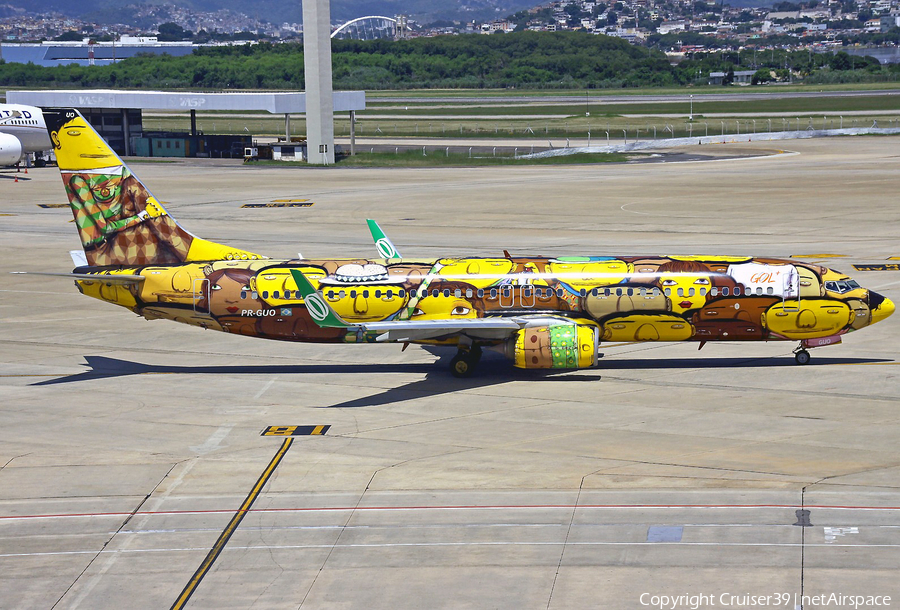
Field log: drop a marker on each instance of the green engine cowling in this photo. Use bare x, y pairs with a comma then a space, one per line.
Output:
561, 344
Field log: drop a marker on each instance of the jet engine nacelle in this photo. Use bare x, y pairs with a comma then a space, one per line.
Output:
10, 149
560, 344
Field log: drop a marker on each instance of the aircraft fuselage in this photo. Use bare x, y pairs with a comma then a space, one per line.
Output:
650, 298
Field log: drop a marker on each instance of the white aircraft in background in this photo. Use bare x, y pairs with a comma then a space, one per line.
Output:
22, 132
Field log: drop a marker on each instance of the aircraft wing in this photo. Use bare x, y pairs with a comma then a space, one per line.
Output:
411, 330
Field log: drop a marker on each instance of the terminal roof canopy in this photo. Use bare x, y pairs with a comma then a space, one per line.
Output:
274, 102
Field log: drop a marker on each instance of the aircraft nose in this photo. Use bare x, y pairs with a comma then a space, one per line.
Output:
882, 307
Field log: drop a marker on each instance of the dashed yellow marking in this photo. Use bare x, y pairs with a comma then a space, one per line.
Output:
879, 267
818, 255
290, 200
48, 206
295, 430
278, 205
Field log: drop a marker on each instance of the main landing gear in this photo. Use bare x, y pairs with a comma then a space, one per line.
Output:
465, 361
801, 355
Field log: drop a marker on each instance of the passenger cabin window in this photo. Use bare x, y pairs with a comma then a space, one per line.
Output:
265, 294
725, 291
493, 293
254, 295
714, 291
668, 292
681, 292
737, 291
243, 294
690, 292
275, 294
480, 293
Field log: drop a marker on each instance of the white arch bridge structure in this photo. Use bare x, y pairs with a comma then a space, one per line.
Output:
370, 27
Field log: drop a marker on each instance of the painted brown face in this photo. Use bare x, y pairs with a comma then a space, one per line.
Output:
229, 294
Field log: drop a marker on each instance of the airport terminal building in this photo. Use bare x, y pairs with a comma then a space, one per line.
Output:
117, 116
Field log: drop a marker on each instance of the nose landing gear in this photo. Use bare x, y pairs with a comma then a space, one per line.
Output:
801, 355
464, 362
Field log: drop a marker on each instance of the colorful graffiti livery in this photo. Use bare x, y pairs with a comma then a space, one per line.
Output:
542, 312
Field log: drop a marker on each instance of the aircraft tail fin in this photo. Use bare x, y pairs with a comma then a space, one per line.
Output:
119, 221
383, 243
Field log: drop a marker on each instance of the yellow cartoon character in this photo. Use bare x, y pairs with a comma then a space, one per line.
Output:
364, 292
686, 283
584, 272
478, 272
647, 327
447, 301
276, 285
809, 318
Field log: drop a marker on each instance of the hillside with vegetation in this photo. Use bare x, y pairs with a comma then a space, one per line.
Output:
539, 60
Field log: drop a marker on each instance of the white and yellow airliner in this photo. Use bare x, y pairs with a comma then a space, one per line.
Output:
543, 312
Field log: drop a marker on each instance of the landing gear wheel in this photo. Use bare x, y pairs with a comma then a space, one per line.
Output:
801, 356
465, 361
461, 366
474, 355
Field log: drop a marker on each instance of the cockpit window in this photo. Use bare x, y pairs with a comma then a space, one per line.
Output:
841, 286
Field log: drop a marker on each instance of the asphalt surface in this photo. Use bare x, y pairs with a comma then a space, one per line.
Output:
134, 469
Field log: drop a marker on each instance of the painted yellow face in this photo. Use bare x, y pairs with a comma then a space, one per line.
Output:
809, 318
588, 274
365, 303
443, 308
685, 291
468, 270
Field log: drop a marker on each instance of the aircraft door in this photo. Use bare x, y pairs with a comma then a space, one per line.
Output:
201, 295
790, 289
526, 295
507, 296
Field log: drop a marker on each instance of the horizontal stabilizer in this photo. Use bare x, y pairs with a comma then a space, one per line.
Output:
79, 259
94, 277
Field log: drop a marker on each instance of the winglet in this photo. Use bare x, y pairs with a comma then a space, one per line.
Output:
383, 243
320, 311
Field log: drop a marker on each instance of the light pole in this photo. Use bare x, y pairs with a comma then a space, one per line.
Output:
607, 137
691, 115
